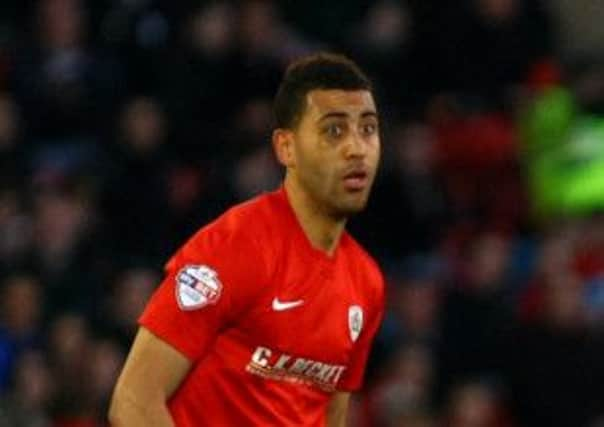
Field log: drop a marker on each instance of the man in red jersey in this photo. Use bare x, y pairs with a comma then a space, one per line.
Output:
266, 315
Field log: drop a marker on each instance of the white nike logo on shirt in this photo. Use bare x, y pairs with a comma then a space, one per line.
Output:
280, 306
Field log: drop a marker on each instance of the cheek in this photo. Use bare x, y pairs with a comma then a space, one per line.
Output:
377, 150
309, 164
312, 155
374, 154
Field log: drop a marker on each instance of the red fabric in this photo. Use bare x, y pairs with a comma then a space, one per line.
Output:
476, 143
530, 304
478, 159
589, 261
254, 365
544, 74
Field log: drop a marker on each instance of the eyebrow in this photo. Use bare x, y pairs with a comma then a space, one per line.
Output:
338, 114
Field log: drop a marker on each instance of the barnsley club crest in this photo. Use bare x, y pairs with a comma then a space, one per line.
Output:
355, 321
197, 286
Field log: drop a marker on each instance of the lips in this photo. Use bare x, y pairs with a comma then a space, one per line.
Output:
356, 180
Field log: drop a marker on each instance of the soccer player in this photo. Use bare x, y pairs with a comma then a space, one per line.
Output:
266, 315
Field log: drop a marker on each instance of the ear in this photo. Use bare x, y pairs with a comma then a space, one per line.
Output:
283, 144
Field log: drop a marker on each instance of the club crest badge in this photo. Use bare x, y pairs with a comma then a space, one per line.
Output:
355, 321
197, 286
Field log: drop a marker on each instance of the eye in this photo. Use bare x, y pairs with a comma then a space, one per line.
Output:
334, 130
369, 128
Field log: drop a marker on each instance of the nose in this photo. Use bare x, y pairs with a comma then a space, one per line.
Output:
356, 146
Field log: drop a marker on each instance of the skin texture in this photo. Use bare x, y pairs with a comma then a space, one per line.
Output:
336, 136
153, 371
337, 410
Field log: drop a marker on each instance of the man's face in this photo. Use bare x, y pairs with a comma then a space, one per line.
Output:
337, 149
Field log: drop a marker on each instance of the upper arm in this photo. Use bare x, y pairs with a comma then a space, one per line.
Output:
152, 372
337, 410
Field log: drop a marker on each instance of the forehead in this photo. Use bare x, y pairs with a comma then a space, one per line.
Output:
353, 102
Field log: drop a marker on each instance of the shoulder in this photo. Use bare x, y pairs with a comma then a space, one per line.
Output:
240, 239
230, 248
244, 224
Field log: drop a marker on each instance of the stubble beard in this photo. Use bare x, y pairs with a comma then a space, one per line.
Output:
335, 203
343, 206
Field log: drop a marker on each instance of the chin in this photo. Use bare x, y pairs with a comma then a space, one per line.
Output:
350, 208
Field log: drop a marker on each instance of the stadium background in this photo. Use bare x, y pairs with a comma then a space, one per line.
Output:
127, 124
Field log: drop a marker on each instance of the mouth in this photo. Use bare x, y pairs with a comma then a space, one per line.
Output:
356, 180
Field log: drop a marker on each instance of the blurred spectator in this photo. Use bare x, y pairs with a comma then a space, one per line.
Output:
68, 340
414, 304
64, 88
482, 47
65, 254
563, 304
135, 200
12, 161
255, 167
15, 229
383, 40
587, 83
106, 360
69, 351
251, 128
194, 77
143, 127
554, 260
9, 28
137, 34
475, 405
578, 31
256, 173
118, 318
27, 405
197, 193
211, 32
264, 36
266, 44
554, 364
315, 18
19, 321
385, 26
475, 320
405, 391
154, 196
478, 158
411, 180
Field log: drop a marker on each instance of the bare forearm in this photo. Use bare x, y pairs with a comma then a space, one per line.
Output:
151, 374
131, 411
337, 421
337, 411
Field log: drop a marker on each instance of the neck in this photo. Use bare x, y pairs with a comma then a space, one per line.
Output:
322, 229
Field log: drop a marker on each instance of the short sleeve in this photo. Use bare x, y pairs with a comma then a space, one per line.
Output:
207, 284
353, 376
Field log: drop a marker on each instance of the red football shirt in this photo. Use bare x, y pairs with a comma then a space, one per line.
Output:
272, 325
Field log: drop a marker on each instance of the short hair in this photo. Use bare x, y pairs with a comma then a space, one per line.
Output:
321, 70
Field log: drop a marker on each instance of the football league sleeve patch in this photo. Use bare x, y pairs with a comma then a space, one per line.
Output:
197, 286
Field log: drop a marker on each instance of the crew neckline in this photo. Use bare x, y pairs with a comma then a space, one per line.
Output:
300, 234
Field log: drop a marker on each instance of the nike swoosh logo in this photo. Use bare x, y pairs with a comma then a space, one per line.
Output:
280, 305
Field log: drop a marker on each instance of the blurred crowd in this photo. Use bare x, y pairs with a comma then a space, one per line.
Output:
125, 125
